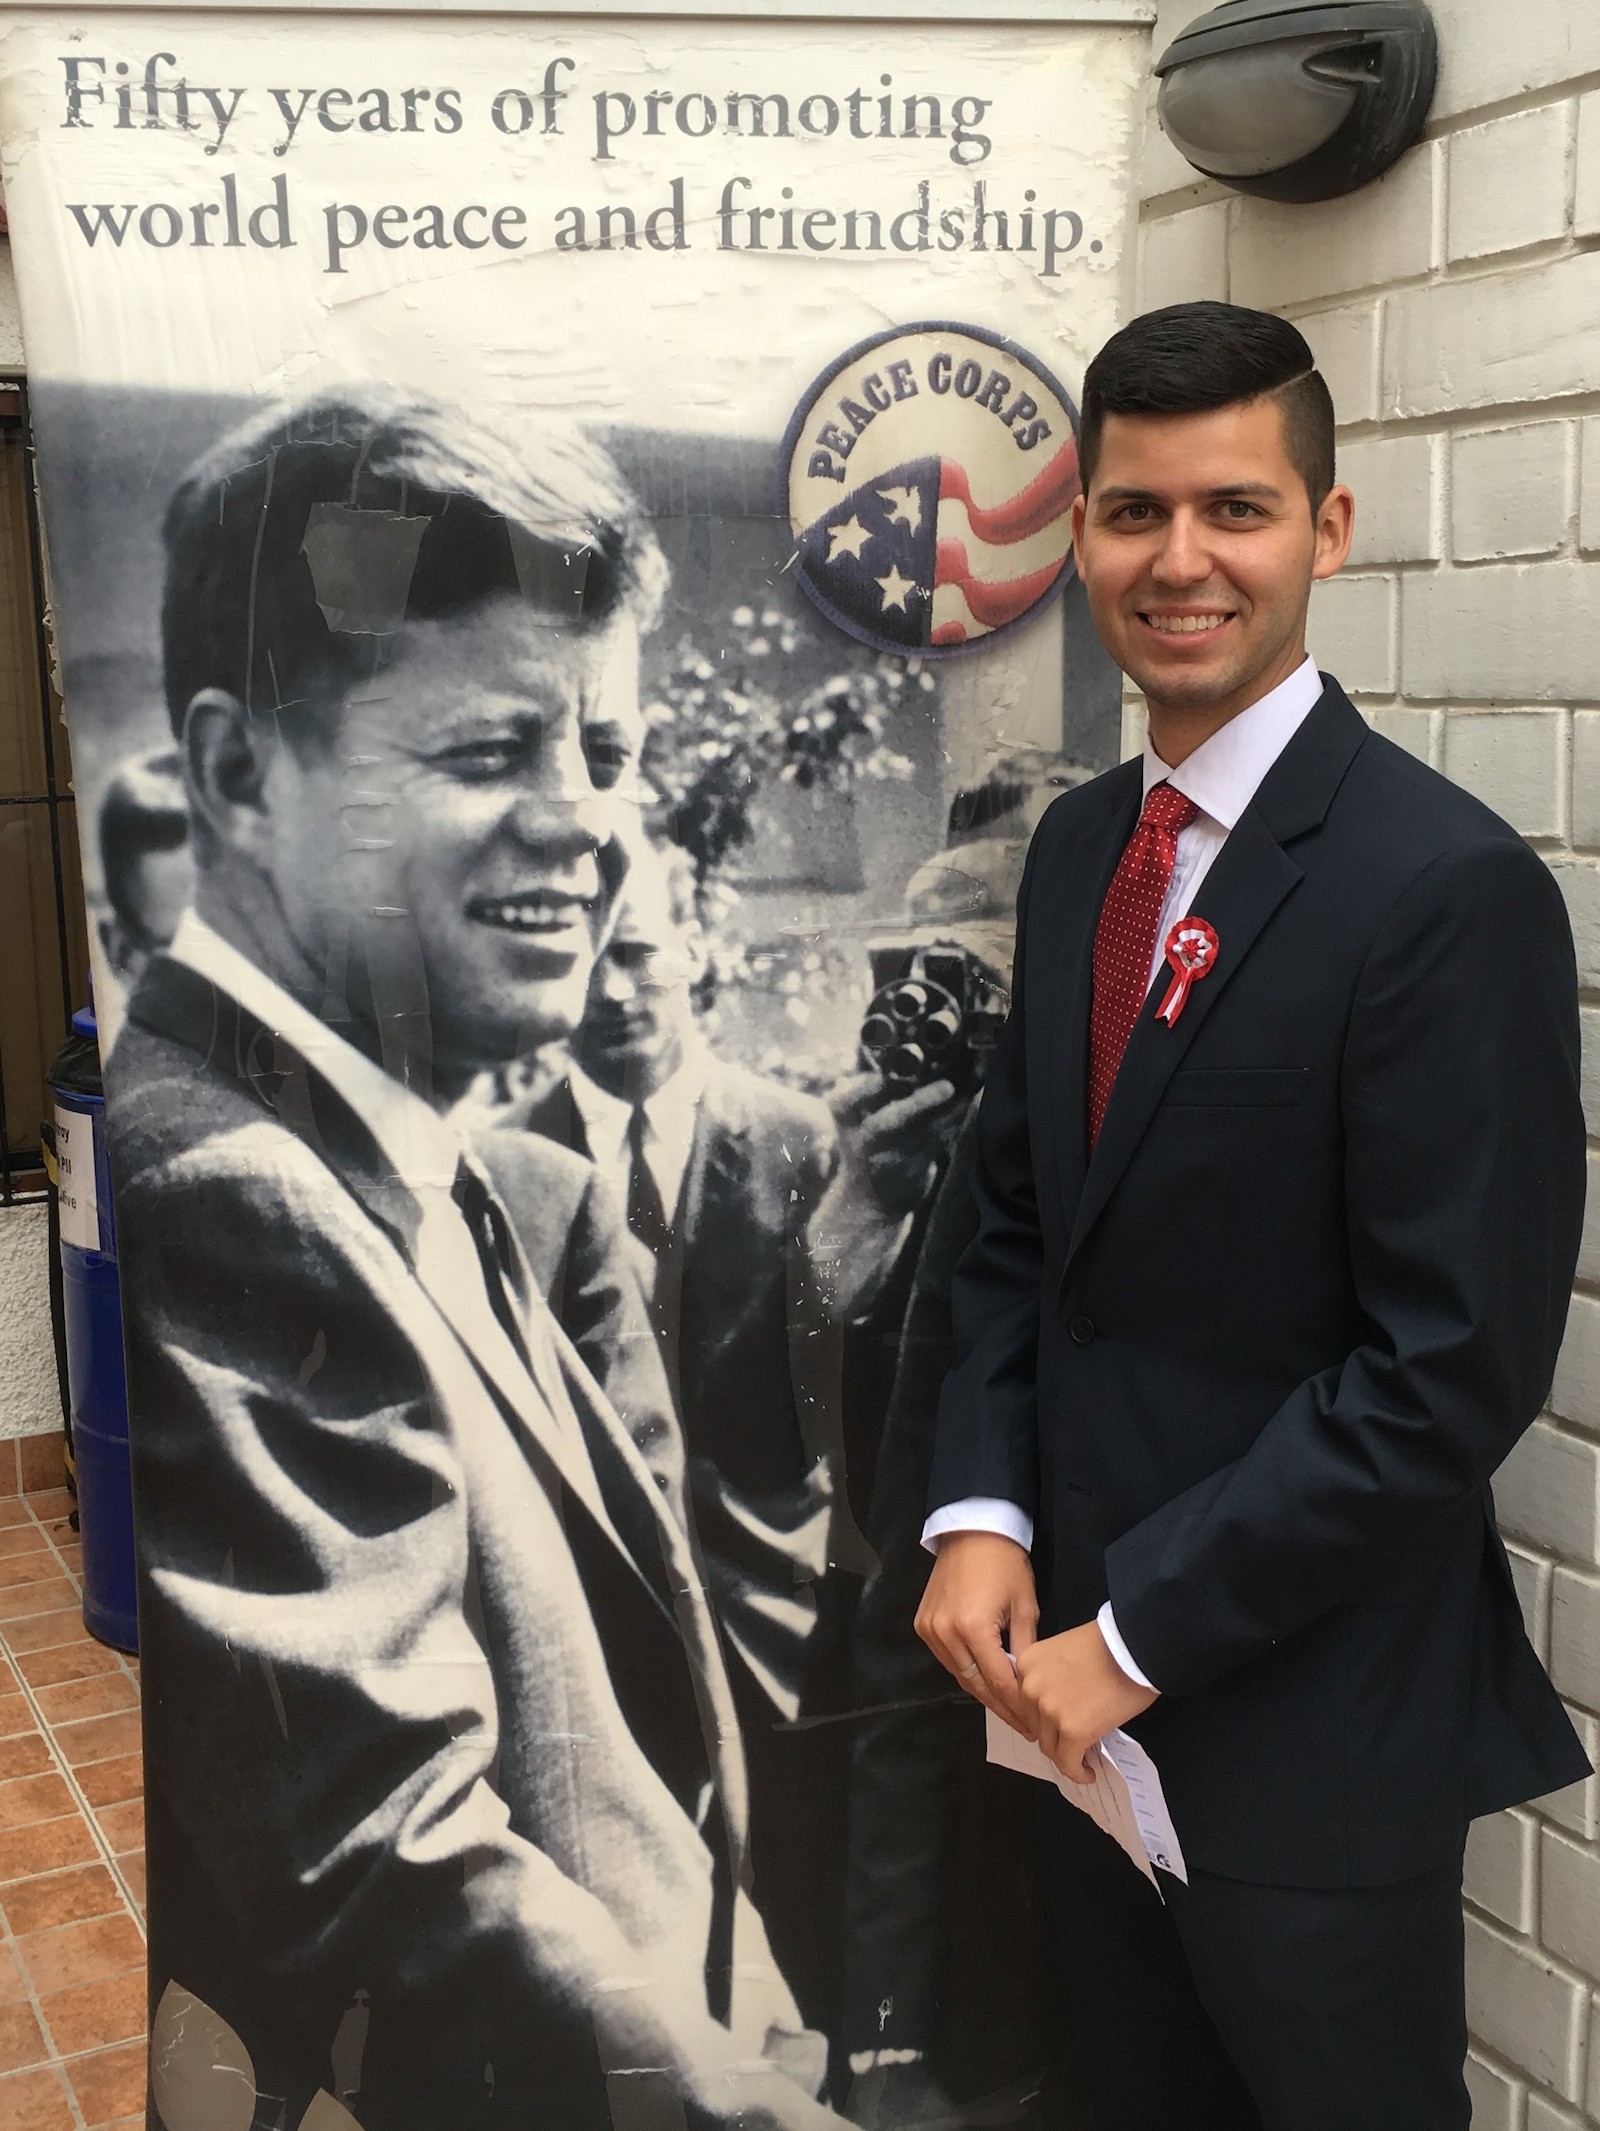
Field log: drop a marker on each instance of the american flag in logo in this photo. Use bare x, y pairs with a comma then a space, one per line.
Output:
912, 558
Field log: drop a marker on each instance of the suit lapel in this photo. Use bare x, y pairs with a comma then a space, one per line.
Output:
1078, 888
174, 1000
1252, 876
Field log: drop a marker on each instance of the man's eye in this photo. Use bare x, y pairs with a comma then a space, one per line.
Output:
1135, 513
607, 756
479, 761
1238, 510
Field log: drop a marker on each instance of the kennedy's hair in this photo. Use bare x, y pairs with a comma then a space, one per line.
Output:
1193, 357
300, 546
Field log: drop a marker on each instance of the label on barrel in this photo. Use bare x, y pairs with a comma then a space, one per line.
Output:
80, 1212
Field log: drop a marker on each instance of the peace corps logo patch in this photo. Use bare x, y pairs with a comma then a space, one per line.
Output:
929, 480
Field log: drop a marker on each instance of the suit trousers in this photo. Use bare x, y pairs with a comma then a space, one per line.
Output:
1230, 2006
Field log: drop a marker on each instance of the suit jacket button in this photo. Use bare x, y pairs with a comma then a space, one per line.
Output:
1080, 1330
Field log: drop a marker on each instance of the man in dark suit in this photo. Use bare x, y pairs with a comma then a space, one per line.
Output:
723, 1173
446, 1803
1280, 1177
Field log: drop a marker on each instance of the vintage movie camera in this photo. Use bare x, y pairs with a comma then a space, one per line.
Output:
936, 1014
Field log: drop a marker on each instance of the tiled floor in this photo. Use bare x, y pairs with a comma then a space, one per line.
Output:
72, 1986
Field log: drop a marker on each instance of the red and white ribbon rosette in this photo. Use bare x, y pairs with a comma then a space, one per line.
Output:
1191, 951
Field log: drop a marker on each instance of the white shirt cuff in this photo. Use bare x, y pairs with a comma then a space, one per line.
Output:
980, 1513
1106, 1622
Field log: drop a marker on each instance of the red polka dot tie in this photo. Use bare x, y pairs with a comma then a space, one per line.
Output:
1125, 938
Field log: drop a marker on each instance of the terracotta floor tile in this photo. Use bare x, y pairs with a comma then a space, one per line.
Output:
35, 1567
26, 1601
48, 1631
81, 1953
27, 1799
15, 1716
34, 2101
109, 2083
94, 2014
25, 1538
108, 1782
48, 1502
42, 1461
99, 1738
13, 1983
21, 2038
132, 1869
98, 1696
71, 1552
122, 1826
60, 1898
80, 1659
25, 1754
13, 1510
25, 1852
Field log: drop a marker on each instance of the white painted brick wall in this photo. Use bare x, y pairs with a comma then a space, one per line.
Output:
1512, 761
1397, 480
1509, 491
1486, 213
1455, 311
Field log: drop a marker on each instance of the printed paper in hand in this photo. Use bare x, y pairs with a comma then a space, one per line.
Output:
1125, 1799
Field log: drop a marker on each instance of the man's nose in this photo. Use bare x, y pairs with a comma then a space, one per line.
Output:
618, 985
1184, 558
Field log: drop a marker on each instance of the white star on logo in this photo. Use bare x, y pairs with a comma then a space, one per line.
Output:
896, 589
905, 507
847, 539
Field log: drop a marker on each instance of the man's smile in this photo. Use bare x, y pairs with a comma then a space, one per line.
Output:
1201, 624
541, 912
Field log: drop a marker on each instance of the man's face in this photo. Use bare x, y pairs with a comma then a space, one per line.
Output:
1198, 550
639, 1010
456, 825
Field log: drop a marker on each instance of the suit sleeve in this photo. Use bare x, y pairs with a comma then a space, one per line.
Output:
1464, 1189
329, 1744
987, 1437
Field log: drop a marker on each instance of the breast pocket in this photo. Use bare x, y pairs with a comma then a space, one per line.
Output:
1239, 1087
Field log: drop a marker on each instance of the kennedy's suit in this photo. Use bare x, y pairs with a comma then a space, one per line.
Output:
434, 1710
1252, 1363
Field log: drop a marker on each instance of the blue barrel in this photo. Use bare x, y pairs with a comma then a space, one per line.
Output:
92, 1311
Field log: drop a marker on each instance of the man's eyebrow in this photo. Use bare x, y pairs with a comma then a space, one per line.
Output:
1264, 489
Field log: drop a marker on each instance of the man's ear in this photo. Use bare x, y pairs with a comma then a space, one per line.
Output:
1080, 510
226, 756
1336, 525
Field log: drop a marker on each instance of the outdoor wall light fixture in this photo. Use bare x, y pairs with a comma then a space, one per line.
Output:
1299, 99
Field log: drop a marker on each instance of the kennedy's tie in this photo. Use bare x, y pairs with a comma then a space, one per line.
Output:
481, 1211
1125, 938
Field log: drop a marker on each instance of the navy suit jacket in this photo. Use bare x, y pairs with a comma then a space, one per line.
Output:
1252, 1363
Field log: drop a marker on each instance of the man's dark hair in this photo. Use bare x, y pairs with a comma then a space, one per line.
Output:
1193, 357
300, 546
142, 815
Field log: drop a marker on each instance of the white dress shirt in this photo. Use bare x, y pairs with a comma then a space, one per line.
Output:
1222, 776
670, 1116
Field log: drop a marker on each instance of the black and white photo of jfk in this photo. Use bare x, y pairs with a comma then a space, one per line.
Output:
551, 971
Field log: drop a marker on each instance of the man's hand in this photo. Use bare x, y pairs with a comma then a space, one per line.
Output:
1074, 1692
980, 1596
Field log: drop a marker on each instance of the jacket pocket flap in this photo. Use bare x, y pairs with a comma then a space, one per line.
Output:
1240, 1087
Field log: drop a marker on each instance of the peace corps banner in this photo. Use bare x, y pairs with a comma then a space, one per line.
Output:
559, 543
